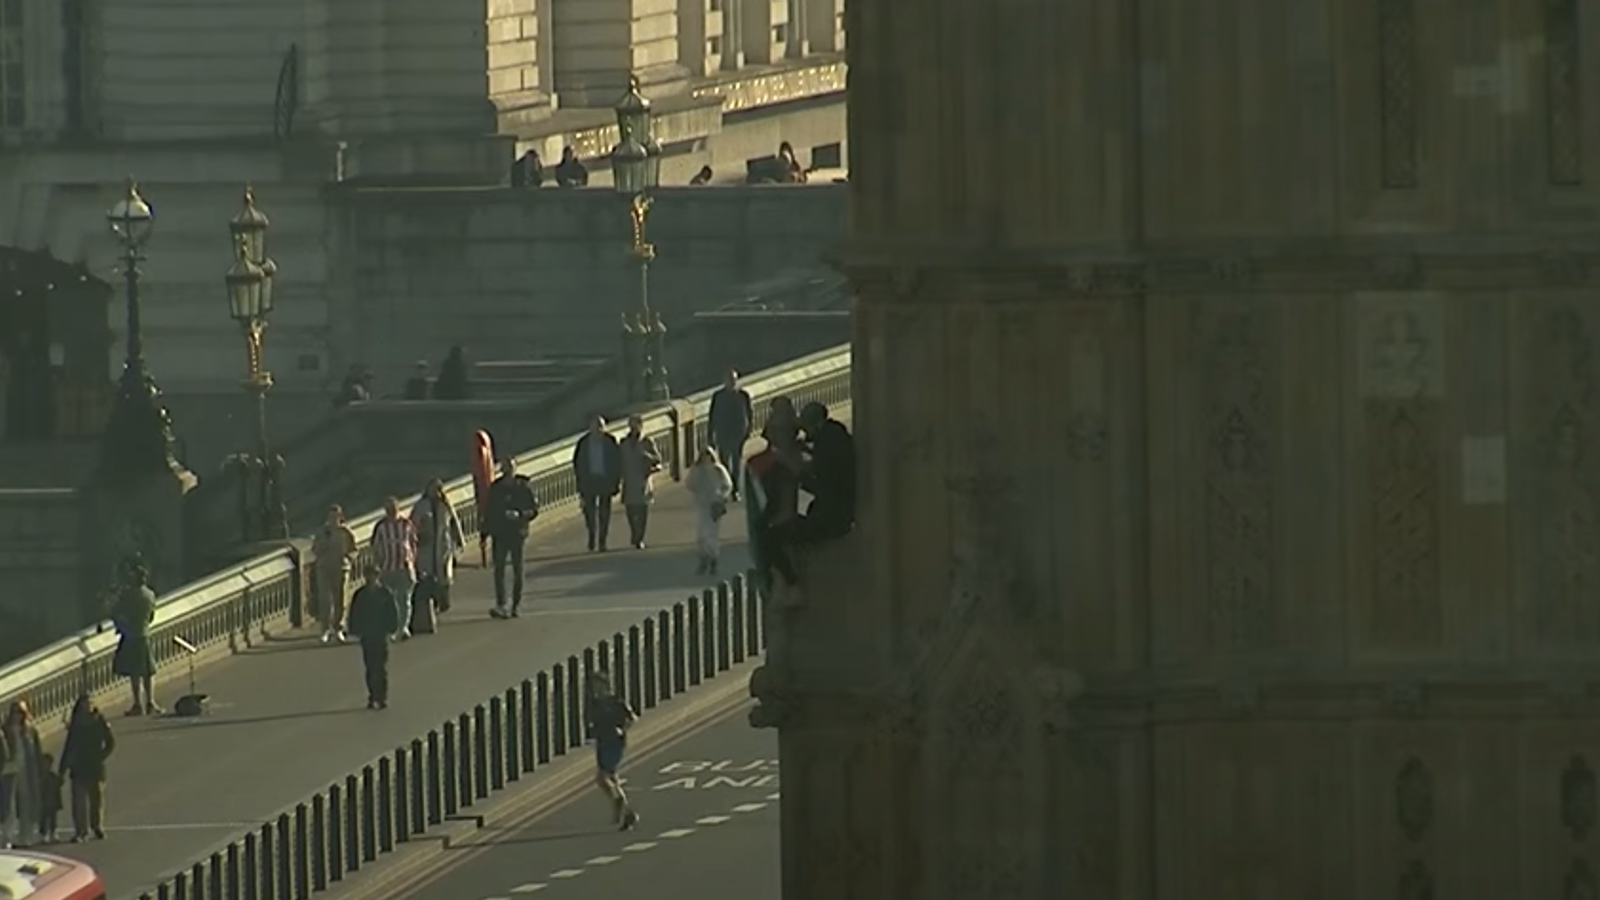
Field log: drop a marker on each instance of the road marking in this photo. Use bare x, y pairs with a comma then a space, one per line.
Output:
533, 887
749, 807
773, 797
567, 873
601, 860
676, 833
641, 846
712, 820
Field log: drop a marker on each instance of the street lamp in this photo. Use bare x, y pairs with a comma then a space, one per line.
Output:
636, 171
249, 280
138, 437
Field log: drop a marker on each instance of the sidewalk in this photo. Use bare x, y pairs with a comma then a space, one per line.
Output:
289, 716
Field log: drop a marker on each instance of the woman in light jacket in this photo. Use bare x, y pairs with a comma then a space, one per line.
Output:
710, 485
439, 539
21, 776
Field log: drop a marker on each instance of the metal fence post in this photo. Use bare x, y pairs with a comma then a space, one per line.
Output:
447, 773
471, 743
558, 709
252, 867
435, 780
402, 795
235, 873
741, 646
369, 815
319, 842
269, 865
385, 805
503, 740
708, 620
180, 886
197, 880
664, 654
419, 803
619, 668
637, 666
680, 650
215, 875
575, 692
648, 660
336, 833
695, 632
285, 858
541, 702
481, 752
302, 853
525, 733
354, 835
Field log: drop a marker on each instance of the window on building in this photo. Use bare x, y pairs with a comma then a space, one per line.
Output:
13, 93
780, 34
714, 46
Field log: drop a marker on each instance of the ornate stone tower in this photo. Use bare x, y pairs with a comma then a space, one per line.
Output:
1227, 401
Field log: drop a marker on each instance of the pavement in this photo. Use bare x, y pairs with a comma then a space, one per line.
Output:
709, 830
289, 717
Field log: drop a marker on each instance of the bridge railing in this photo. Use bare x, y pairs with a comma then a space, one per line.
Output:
236, 607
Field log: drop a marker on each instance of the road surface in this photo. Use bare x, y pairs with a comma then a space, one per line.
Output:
709, 830
290, 717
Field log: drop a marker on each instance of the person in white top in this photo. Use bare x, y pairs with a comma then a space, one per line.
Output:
710, 485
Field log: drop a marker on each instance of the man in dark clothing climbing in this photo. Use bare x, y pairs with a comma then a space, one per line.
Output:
373, 617
511, 507
829, 476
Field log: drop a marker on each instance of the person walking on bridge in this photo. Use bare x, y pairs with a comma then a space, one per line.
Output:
335, 549
394, 549
610, 717
597, 467
512, 507
21, 777
374, 619
88, 746
640, 463
732, 417
710, 485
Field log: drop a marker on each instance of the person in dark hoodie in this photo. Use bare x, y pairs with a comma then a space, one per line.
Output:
88, 746
829, 476
512, 506
374, 617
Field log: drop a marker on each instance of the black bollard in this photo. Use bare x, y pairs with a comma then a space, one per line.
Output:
542, 713
435, 780
481, 754
319, 842
369, 814
336, 833
447, 773
637, 667
353, 833
696, 664
302, 852
386, 805
680, 649
708, 643
649, 659
526, 735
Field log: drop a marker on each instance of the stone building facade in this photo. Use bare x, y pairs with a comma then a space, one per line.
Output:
1229, 501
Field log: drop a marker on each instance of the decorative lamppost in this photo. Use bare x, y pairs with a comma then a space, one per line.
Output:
636, 168
261, 512
138, 439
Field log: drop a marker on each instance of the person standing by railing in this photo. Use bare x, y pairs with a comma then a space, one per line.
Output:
511, 508
133, 612
335, 551
88, 746
394, 551
597, 466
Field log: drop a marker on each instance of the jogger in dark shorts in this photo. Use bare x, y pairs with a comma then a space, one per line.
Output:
609, 719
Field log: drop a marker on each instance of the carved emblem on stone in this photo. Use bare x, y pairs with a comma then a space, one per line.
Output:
1081, 278
1399, 270
1404, 472
1239, 496
1567, 484
1579, 800
1416, 882
1233, 271
905, 281
1413, 799
1086, 437
1580, 883
1401, 359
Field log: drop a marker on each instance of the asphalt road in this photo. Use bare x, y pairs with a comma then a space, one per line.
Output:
289, 718
709, 830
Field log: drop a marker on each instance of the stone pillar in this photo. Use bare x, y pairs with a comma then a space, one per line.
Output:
1227, 513
600, 43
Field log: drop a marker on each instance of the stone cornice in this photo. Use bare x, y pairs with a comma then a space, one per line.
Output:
1353, 267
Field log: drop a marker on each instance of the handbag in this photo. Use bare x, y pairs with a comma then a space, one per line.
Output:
718, 510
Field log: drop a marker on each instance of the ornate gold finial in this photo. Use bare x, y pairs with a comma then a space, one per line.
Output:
634, 84
249, 194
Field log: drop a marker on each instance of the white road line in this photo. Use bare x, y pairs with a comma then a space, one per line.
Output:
530, 888
567, 873
676, 833
641, 846
601, 860
749, 807
712, 820
773, 797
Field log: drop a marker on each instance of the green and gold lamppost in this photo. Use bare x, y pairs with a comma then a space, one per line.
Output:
262, 513
636, 170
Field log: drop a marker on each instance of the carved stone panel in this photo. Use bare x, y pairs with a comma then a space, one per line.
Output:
1563, 92
1566, 477
1401, 346
1241, 422
1397, 92
1404, 474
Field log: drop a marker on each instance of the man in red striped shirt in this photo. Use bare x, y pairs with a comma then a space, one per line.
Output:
394, 552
